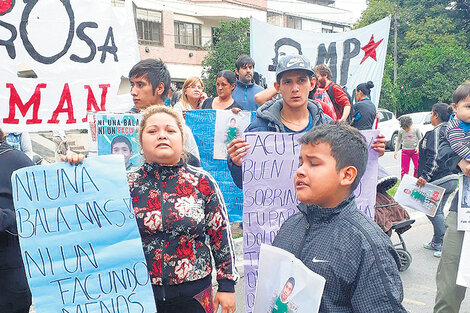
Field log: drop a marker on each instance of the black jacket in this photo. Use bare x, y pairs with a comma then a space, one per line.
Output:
429, 168
14, 290
351, 252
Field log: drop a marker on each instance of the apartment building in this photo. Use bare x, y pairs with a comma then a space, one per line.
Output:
180, 31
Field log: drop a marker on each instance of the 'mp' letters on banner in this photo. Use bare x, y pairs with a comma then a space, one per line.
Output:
79, 240
354, 57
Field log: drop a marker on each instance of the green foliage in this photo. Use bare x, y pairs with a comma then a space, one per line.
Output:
433, 51
232, 39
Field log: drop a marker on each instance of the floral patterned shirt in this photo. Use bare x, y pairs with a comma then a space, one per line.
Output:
177, 208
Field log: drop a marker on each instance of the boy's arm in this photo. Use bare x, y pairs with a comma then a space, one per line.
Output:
458, 142
378, 285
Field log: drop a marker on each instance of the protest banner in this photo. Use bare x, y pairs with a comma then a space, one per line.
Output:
425, 199
269, 196
463, 216
62, 59
285, 284
463, 275
202, 124
119, 134
79, 240
354, 57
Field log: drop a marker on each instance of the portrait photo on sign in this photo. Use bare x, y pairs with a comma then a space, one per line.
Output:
285, 284
228, 126
465, 192
119, 134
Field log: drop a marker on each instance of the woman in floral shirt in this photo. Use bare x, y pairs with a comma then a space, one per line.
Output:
177, 206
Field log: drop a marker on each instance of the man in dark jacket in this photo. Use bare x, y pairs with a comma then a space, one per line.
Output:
15, 296
331, 236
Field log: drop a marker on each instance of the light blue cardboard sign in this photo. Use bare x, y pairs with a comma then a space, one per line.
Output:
79, 240
202, 123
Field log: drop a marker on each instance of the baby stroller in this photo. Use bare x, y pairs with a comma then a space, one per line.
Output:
391, 216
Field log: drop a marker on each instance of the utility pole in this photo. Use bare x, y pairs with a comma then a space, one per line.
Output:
395, 52
395, 62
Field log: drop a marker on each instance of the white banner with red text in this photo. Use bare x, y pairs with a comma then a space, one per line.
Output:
61, 59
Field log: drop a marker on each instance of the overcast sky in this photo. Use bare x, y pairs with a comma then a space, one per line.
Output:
355, 6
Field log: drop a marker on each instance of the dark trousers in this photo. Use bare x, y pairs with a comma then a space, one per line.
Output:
180, 305
183, 297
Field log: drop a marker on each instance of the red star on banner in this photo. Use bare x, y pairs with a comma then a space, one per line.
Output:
369, 49
6, 6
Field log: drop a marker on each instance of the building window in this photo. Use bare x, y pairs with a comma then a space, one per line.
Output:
274, 18
326, 28
187, 34
117, 3
293, 22
149, 27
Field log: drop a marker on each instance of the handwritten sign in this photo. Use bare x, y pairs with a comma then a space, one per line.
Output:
62, 59
366, 191
463, 216
79, 241
269, 197
202, 124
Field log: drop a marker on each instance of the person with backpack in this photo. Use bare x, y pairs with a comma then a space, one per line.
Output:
332, 94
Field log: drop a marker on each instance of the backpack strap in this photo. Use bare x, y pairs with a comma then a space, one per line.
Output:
331, 94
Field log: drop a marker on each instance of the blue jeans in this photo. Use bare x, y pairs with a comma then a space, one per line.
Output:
449, 183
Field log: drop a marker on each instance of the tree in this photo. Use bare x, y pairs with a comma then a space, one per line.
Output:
231, 39
433, 51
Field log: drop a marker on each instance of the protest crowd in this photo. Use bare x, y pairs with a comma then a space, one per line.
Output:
182, 216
